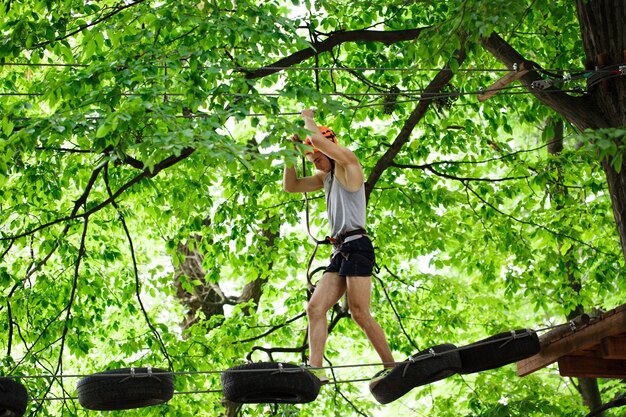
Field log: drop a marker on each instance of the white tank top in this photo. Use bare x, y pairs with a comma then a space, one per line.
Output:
345, 209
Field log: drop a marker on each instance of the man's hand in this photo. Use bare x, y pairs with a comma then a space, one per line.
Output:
307, 113
295, 139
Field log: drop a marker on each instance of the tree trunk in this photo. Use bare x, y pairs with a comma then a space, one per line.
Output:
603, 30
209, 297
588, 388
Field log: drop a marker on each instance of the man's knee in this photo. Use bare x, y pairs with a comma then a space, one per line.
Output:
315, 311
360, 315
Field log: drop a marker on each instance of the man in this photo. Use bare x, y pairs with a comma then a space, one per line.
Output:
350, 269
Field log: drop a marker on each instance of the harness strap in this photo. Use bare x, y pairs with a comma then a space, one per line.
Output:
338, 241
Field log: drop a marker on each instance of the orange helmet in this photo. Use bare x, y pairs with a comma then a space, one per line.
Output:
327, 133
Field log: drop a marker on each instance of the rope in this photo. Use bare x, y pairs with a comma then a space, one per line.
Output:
310, 285
207, 391
417, 94
432, 97
310, 68
413, 359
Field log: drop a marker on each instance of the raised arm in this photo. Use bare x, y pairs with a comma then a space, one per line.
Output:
341, 155
348, 168
293, 184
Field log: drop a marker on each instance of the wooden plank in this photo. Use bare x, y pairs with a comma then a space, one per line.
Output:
585, 338
589, 367
504, 81
613, 347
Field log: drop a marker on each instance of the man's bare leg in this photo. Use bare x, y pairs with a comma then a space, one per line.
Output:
359, 291
328, 291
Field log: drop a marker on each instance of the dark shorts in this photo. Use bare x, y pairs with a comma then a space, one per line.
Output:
355, 258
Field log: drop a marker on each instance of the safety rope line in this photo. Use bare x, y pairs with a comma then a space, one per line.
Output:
412, 360
416, 94
430, 353
592, 77
205, 391
310, 285
309, 68
420, 356
356, 107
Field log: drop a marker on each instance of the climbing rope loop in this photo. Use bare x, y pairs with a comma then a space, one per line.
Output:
425, 367
499, 350
13, 398
269, 382
126, 388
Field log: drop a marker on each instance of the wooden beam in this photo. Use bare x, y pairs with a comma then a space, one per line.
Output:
590, 367
613, 347
563, 330
611, 325
504, 81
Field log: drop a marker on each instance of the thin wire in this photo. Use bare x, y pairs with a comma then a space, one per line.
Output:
406, 93
206, 391
348, 381
371, 69
21, 94
432, 97
41, 64
311, 68
421, 356
123, 94
426, 354
409, 362
419, 94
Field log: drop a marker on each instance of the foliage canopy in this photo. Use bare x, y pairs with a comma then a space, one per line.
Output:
141, 154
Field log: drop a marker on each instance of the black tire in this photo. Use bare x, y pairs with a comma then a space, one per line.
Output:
269, 382
499, 350
13, 398
119, 390
425, 367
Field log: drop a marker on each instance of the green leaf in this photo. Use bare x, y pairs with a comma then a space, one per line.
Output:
7, 126
103, 130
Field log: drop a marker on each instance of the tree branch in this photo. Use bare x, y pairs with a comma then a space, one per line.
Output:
529, 223
577, 110
68, 309
146, 173
620, 402
335, 39
87, 26
437, 84
136, 271
271, 330
395, 312
271, 351
428, 167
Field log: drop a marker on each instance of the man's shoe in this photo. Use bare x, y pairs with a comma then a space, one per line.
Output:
378, 377
319, 373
